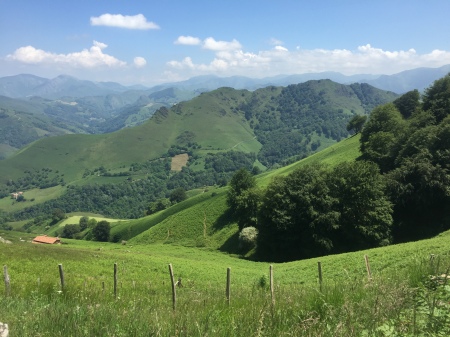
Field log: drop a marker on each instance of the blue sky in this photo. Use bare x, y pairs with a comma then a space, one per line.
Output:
151, 42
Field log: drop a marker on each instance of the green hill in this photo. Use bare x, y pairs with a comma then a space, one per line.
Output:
276, 123
203, 220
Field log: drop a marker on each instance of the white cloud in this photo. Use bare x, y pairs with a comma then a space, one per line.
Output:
87, 58
185, 63
188, 40
229, 59
139, 62
211, 44
123, 21
280, 48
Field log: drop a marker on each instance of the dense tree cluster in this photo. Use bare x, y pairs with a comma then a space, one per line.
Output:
43, 178
286, 121
131, 198
317, 211
398, 190
410, 142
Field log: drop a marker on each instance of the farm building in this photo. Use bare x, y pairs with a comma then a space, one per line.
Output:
46, 239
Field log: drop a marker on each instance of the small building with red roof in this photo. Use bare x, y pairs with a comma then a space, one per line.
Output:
46, 240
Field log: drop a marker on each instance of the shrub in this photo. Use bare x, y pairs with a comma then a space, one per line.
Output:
247, 238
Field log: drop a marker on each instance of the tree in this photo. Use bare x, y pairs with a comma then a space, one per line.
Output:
101, 231
408, 103
70, 230
84, 221
382, 136
356, 123
92, 222
437, 98
58, 215
365, 218
297, 217
420, 191
178, 195
243, 198
158, 205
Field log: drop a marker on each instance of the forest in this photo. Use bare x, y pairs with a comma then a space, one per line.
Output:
397, 190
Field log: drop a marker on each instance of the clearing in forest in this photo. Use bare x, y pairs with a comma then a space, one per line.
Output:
179, 161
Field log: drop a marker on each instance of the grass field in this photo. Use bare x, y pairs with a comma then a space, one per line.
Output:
39, 195
395, 302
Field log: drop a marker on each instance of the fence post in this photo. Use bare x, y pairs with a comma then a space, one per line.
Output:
7, 280
272, 295
174, 294
319, 267
61, 276
115, 280
369, 273
228, 289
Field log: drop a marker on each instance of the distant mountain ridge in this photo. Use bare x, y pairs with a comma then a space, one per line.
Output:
25, 85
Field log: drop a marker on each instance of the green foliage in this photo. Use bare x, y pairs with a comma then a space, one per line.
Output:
178, 195
414, 154
408, 103
92, 222
243, 198
101, 231
316, 211
70, 230
437, 98
84, 222
356, 123
158, 205
58, 215
365, 213
296, 218
380, 134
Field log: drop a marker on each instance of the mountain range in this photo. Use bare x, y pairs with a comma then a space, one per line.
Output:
25, 85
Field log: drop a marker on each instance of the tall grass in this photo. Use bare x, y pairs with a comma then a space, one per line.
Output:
405, 297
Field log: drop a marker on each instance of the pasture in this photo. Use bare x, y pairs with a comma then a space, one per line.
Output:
348, 303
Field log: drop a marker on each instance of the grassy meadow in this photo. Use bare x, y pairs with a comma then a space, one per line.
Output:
399, 300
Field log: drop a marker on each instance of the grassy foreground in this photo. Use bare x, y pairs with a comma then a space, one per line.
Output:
401, 299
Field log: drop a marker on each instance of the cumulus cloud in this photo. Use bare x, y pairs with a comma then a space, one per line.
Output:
139, 62
211, 44
138, 21
87, 58
188, 40
230, 59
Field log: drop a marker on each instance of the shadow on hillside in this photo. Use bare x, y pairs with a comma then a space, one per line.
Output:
224, 220
231, 245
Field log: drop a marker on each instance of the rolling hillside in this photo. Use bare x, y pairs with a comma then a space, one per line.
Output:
203, 220
284, 122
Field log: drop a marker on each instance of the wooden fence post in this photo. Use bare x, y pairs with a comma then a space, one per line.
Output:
115, 280
7, 280
174, 294
228, 289
369, 273
61, 276
272, 295
319, 267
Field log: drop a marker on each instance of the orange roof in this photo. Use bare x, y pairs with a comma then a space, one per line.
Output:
46, 239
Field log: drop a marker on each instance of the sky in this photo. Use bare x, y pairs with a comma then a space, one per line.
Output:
151, 42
